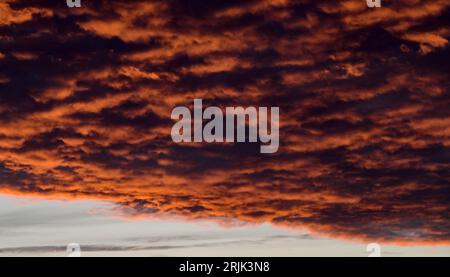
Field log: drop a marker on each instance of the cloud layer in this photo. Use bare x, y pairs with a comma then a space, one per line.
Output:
86, 96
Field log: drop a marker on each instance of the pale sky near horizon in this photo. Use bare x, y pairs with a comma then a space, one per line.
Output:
38, 227
87, 97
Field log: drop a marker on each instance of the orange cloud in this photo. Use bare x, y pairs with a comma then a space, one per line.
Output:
86, 97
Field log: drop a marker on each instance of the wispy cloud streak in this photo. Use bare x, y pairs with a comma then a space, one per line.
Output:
86, 96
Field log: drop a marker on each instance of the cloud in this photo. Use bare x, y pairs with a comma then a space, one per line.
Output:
86, 96
180, 243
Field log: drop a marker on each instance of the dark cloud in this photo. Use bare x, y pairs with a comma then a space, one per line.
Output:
86, 96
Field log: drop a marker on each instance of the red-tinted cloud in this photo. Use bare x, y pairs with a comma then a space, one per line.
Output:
86, 96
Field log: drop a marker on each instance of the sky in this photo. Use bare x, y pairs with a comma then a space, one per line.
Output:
35, 227
86, 96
